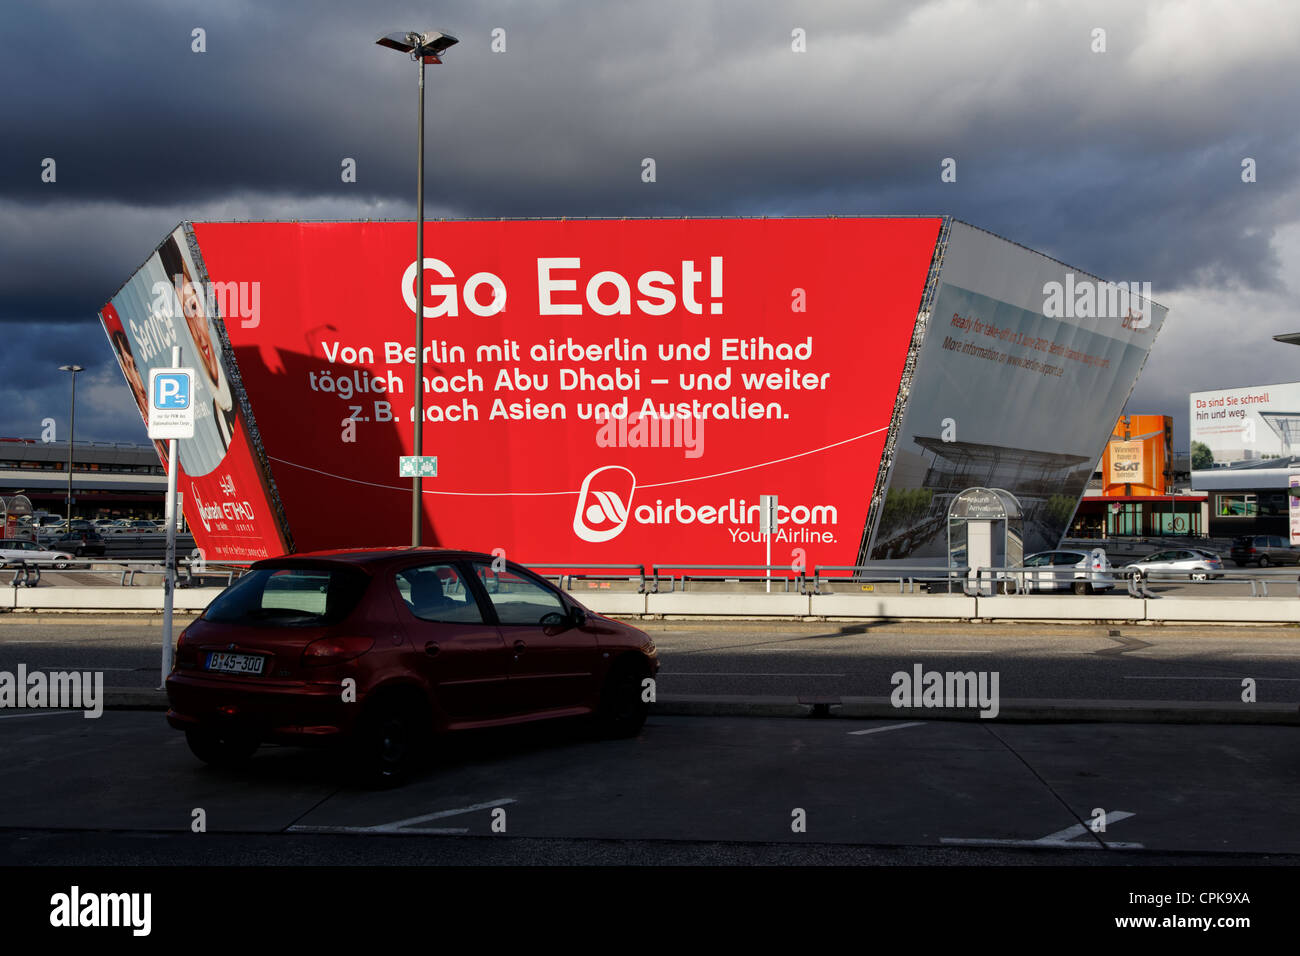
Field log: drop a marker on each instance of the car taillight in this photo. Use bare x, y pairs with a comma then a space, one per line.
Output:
335, 650
185, 656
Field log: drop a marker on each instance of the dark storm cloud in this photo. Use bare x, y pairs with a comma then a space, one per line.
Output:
1126, 164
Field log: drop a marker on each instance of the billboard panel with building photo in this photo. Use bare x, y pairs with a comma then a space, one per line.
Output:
1025, 366
1245, 438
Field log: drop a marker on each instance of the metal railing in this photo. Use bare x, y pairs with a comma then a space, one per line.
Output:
1018, 580
189, 573
639, 577
787, 576
908, 579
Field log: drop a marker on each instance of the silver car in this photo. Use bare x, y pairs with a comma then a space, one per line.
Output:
1083, 572
1196, 564
15, 551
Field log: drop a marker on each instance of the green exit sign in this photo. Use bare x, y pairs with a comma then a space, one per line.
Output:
423, 466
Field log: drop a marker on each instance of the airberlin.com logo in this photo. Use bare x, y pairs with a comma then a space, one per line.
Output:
605, 508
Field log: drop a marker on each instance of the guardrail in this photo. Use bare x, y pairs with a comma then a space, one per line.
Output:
988, 581
788, 575
188, 573
570, 576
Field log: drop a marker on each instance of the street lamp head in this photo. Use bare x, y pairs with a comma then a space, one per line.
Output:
71, 368
428, 46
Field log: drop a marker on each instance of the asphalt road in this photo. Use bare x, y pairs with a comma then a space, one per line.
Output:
764, 659
125, 788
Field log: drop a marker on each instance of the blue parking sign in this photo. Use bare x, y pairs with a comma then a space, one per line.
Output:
171, 390
171, 403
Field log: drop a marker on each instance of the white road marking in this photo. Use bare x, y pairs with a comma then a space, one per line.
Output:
425, 818
1128, 677
668, 673
876, 730
955, 651
1061, 838
445, 831
45, 713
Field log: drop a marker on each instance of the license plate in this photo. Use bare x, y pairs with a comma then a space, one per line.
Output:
235, 663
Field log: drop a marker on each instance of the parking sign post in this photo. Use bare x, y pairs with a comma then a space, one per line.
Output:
767, 522
171, 416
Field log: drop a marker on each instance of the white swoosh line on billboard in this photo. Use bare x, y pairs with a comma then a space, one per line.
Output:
512, 494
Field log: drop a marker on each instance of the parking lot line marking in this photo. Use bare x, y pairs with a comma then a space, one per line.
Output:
425, 818
46, 713
444, 831
1130, 677
955, 651
876, 730
741, 674
1078, 829
1061, 838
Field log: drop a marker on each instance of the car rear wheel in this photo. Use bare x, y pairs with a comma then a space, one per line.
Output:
1082, 587
1263, 561
60, 565
623, 707
388, 743
221, 749
1199, 576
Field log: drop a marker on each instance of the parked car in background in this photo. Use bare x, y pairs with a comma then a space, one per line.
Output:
435, 640
1083, 572
81, 543
14, 551
1264, 550
1198, 565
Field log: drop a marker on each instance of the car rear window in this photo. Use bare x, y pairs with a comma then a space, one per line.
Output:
289, 597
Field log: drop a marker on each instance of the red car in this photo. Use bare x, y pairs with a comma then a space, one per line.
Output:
383, 649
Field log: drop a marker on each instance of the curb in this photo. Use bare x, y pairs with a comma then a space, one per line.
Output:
879, 708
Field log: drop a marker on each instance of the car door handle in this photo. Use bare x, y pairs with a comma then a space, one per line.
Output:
431, 648
520, 647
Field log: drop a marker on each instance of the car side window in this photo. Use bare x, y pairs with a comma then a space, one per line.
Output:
1036, 561
518, 599
438, 592
1064, 558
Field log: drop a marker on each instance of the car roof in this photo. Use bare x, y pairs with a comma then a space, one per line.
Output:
370, 558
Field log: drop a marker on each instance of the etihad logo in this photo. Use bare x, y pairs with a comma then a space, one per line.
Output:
226, 510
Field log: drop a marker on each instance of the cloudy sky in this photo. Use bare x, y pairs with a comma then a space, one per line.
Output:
1126, 163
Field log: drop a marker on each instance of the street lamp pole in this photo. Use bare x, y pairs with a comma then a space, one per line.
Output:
423, 48
72, 432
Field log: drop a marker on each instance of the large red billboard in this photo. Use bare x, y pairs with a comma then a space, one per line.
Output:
596, 391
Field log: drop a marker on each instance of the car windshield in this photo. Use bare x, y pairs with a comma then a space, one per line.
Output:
289, 597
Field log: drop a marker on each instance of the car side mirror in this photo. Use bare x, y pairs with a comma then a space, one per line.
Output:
577, 616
